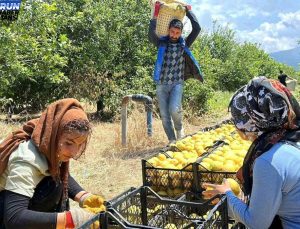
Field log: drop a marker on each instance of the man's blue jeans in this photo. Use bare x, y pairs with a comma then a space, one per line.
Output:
170, 106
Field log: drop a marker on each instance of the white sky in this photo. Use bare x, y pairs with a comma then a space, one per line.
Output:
274, 24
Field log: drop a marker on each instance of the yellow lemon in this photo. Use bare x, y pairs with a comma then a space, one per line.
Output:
161, 157
235, 187
217, 166
204, 166
229, 168
208, 160
170, 226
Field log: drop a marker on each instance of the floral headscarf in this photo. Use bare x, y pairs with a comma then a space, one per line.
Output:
268, 109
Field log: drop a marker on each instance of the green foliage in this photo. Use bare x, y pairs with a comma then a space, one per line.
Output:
99, 51
195, 97
218, 104
32, 56
113, 56
78, 48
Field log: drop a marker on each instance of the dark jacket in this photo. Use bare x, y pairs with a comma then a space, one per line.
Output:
192, 68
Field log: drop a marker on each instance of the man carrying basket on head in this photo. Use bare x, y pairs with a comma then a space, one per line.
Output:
175, 63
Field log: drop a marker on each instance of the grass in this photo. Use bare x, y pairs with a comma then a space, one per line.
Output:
107, 168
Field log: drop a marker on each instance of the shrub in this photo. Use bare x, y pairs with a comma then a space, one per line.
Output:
195, 97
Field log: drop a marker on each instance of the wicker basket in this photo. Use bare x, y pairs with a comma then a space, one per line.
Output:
169, 11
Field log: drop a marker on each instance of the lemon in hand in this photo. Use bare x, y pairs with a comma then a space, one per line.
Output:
235, 187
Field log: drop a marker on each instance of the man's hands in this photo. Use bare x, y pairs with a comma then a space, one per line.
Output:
188, 7
157, 6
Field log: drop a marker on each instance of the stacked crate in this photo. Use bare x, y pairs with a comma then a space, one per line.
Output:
163, 174
171, 193
144, 208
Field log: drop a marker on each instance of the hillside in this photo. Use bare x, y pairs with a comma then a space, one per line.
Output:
290, 57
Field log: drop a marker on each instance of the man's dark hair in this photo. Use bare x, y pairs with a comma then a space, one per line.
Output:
175, 23
280, 71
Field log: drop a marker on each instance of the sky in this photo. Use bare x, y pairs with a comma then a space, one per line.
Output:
274, 24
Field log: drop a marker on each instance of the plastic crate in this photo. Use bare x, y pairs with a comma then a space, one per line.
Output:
214, 177
169, 182
90, 223
144, 208
174, 182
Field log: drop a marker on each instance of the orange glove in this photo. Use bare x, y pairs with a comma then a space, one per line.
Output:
92, 203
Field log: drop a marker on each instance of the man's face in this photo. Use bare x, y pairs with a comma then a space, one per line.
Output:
174, 34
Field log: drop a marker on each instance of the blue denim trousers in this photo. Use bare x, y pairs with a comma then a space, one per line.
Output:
170, 106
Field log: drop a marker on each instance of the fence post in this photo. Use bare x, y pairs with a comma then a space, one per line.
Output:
147, 100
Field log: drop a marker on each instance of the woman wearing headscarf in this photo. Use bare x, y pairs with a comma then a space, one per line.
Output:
35, 185
266, 112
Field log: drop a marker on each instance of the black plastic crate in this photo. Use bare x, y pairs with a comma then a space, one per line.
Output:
90, 223
205, 176
169, 182
144, 208
174, 182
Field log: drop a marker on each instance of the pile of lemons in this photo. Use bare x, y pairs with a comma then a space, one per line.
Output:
200, 141
172, 170
229, 157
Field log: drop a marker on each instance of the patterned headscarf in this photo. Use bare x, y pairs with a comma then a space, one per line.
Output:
264, 105
268, 109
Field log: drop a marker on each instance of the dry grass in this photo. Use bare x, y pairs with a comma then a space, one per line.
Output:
108, 168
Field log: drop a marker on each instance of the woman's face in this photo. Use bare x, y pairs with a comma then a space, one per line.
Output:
71, 145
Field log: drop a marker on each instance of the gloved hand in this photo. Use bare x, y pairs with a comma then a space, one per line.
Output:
77, 216
92, 203
156, 9
188, 7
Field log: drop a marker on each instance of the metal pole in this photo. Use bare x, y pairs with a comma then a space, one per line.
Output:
147, 100
149, 109
124, 118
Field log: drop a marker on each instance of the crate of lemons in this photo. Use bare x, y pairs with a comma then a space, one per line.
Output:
142, 207
195, 160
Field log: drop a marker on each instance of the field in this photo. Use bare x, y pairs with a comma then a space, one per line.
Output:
107, 168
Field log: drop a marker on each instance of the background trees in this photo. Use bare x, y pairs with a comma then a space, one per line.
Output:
99, 51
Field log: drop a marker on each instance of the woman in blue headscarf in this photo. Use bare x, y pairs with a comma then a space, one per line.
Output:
266, 112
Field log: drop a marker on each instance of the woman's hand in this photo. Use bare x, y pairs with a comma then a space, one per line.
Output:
74, 218
92, 203
215, 189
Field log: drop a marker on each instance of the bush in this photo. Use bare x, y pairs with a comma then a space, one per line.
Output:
195, 97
